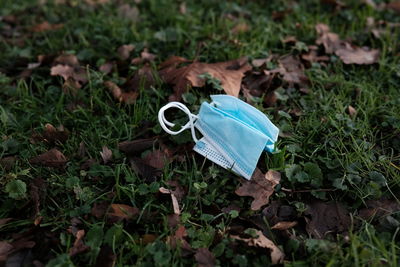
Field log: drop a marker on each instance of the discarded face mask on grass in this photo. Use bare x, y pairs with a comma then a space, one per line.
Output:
234, 132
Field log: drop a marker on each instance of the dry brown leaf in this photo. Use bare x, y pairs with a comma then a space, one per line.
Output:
277, 256
5, 250
229, 73
128, 12
122, 211
348, 53
157, 159
121, 96
46, 26
204, 258
283, 225
291, 69
64, 71
106, 154
352, 111
137, 146
260, 187
52, 158
175, 203
51, 134
178, 239
357, 55
124, 51
78, 246
241, 27
107, 67
325, 218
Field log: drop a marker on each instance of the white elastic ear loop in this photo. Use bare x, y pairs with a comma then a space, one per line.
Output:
190, 124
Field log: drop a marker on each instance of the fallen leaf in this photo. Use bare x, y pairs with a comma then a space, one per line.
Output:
67, 66
78, 246
175, 203
124, 51
204, 258
106, 257
156, 159
46, 26
173, 220
352, 111
148, 173
241, 27
348, 53
356, 55
122, 212
292, 70
325, 218
52, 158
277, 256
179, 240
145, 57
51, 135
260, 187
379, 208
107, 67
229, 73
283, 225
121, 96
99, 209
148, 238
128, 12
135, 147
106, 154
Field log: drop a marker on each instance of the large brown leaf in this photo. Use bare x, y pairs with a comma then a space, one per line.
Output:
260, 187
229, 73
262, 241
52, 158
204, 258
324, 218
348, 53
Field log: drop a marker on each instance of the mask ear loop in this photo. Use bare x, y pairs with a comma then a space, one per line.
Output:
164, 122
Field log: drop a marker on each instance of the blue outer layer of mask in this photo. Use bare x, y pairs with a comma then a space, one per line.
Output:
235, 131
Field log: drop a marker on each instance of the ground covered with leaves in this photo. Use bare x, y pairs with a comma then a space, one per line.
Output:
88, 177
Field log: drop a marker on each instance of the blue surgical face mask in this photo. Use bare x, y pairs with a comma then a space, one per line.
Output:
234, 132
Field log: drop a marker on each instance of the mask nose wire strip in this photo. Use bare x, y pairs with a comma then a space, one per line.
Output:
164, 122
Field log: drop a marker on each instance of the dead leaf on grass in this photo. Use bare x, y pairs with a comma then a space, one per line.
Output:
157, 159
283, 225
348, 53
121, 96
179, 240
78, 246
124, 51
358, 55
135, 147
52, 158
120, 212
229, 73
46, 26
128, 12
7, 162
51, 135
106, 154
352, 111
175, 203
204, 258
277, 256
260, 187
325, 218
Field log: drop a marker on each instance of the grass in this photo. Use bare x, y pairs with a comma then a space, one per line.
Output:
358, 158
